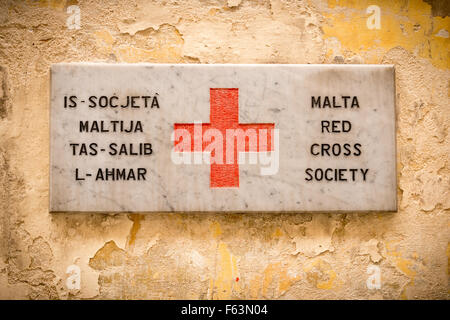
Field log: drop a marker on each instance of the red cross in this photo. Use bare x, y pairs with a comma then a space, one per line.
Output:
224, 114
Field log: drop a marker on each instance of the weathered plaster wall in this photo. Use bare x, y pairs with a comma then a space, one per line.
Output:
215, 256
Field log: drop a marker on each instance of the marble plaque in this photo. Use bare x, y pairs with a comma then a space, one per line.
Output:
222, 138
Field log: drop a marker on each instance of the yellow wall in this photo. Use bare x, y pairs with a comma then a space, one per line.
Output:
217, 256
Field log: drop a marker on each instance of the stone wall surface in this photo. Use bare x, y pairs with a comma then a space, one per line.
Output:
223, 256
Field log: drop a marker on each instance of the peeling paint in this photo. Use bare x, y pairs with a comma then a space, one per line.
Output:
216, 230
222, 285
409, 24
317, 238
320, 274
110, 255
371, 248
136, 218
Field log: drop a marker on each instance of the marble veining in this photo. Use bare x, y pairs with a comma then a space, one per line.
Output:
330, 132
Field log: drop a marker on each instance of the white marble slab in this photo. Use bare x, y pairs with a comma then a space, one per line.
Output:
265, 96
